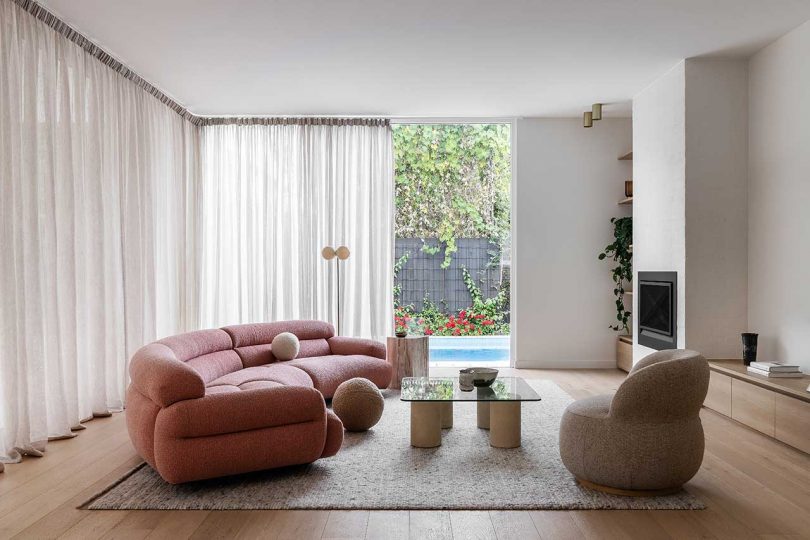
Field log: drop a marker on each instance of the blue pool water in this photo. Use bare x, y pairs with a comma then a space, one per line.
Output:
485, 350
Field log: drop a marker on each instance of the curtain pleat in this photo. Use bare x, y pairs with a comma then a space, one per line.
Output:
273, 196
97, 183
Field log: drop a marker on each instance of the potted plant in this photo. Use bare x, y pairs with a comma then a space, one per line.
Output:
621, 252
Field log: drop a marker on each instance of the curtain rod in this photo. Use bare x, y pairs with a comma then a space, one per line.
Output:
71, 34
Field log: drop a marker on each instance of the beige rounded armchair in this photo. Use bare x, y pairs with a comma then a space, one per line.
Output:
646, 439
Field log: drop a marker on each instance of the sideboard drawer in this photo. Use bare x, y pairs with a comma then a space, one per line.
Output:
792, 422
719, 396
753, 406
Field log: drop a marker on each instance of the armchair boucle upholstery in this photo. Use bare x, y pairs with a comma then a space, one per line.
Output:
646, 437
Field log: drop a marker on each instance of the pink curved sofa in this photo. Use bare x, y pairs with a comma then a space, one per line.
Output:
217, 402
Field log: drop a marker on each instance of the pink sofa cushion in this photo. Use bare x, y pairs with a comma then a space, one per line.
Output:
349, 345
231, 412
327, 372
259, 355
158, 375
276, 373
215, 365
334, 434
245, 335
194, 344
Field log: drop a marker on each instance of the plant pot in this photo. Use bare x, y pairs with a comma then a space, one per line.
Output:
401, 333
749, 341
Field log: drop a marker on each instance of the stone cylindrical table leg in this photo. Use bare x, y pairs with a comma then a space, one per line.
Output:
447, 414
426, 424
483, 414
504, 424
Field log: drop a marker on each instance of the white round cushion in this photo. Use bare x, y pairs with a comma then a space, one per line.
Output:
285, 346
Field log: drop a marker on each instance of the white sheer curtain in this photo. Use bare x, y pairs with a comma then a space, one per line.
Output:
97, 243
272, 197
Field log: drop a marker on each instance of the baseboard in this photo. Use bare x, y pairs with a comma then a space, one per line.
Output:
567, 364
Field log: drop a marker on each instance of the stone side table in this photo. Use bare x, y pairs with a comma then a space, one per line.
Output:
409, 358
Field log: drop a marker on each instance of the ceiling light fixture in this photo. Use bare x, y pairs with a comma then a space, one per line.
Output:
587, 119
596, 111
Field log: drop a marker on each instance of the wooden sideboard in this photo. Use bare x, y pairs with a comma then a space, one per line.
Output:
777, 407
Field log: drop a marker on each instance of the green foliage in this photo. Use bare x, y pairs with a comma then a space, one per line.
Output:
621, 253
452, 181
397, 269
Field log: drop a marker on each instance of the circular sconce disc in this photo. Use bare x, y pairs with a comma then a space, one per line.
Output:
328, 253
342, 253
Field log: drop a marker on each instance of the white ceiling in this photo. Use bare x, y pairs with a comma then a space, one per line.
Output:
418, 57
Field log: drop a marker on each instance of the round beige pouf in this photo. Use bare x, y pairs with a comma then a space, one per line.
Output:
358, 403
285, 346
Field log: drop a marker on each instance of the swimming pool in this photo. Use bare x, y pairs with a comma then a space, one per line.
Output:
464, 351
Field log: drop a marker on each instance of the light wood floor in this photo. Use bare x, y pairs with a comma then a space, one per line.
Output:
754, 487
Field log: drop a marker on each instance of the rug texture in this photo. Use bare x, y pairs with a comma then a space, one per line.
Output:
379, 469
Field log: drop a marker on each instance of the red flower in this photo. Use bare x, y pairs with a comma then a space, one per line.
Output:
428, 332
487, 322
462, 313
456, 332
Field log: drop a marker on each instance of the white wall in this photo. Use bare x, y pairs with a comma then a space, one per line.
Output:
567, 187
659, 187
779, 199
716, 206
690, 131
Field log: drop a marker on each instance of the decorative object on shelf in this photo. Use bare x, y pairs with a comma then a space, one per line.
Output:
749, 341
285, 346
628, 188
340, 254
477, 377
620, 252
401, 332
408, 357
358, 403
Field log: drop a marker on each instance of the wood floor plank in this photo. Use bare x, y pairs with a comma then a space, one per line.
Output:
430, 525
300, 524
55, 522
388, 525
343, 524
221, 525
511, 525
555, 525
177, 525
94, 525
472, 525
259, 524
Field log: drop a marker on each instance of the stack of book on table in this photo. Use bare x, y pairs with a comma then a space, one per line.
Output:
773, 369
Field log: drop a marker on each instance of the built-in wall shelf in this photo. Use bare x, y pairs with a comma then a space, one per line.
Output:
627, 338
627, 157
626, 200
629, 292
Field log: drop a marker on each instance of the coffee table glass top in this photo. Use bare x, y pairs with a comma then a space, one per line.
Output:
447, 389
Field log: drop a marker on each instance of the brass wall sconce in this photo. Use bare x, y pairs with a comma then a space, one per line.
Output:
589, 117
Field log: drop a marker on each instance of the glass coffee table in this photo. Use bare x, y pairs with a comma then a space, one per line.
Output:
432, 401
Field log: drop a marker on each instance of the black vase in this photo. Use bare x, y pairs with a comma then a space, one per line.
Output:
749, 348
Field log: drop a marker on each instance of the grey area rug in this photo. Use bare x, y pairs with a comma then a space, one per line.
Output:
380, 470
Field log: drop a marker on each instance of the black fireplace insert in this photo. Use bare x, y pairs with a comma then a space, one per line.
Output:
657, 309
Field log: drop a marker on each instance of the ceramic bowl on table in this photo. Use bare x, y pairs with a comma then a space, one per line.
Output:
470, 378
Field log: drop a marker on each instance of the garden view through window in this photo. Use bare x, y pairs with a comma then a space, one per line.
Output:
452, 247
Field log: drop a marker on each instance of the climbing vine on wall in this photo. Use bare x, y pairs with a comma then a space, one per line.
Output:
452, 181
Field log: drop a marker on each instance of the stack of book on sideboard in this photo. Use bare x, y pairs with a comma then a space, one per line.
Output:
772, 369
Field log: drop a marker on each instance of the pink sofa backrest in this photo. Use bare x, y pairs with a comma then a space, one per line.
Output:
214, 353
252, 341
209, 352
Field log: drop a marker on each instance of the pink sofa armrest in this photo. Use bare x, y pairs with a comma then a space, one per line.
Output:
244, 410
159, 375
348, 345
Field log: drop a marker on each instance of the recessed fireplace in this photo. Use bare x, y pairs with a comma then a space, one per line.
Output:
657, 309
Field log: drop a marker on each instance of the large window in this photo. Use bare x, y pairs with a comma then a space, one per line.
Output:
452, 228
